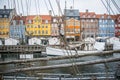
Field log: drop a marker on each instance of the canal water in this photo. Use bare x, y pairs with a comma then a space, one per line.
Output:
96, 68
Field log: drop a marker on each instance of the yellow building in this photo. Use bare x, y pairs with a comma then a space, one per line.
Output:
5, 18
37, 26
4, 27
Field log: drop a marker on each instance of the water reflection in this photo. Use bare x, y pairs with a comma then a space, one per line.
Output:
109, 67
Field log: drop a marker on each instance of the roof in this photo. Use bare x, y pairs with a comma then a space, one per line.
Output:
5, 13
71, 12
19, 18
87, 15
44, 17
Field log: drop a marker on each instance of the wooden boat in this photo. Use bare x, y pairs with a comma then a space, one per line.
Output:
56, 51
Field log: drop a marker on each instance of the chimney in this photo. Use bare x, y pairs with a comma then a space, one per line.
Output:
20, 14
50, 12
86, 10
4, 6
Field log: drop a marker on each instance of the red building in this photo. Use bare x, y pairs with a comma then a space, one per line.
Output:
89, 24
117, 25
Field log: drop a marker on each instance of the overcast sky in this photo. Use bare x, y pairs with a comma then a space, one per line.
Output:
39, 6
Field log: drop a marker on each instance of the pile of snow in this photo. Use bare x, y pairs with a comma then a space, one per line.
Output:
99, 46
113, 40
89, 39
116, 45
54, 41
34, 41
11, 41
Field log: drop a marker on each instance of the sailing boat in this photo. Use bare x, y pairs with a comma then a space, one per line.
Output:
72, 17
88, 45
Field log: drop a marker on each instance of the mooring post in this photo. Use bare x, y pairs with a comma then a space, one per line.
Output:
93, 78
1, 77
60, 77
117, 73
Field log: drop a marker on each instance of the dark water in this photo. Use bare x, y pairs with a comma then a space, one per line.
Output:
96, 68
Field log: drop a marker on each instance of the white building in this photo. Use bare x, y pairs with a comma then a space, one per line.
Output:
34, 41
10, 41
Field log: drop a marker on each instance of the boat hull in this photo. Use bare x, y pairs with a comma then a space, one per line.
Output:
62, 52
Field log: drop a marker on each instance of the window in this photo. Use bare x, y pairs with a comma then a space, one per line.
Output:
21, 22
46, 32
42, 32
39, 32
38, 26
0, 16
5, 16
14, 22
28, 26
35, 32
31, 26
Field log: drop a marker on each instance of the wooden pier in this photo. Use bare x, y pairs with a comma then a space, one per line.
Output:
21, 48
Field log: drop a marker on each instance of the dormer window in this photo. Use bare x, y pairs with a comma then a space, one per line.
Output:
83, 16
109, 17
46, 21
29, 21
54, 20
88, 16
102, 17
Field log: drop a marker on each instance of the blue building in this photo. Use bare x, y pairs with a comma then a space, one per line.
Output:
17, 28
106, 26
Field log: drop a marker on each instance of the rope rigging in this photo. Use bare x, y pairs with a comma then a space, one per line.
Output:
115, 4
51, 7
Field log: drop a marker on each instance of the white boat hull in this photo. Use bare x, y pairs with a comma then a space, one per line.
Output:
62, 52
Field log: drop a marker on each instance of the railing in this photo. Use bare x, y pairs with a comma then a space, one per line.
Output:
53, 76
21, 48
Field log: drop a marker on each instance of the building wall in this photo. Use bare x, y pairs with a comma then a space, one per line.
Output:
117, 25
72, 27
89, 24
4, 27
6, 16
72, 24
55, 28
17, 30
106, 27
37, 26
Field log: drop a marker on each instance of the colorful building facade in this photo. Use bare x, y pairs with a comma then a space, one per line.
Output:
106, 26
89, 24
117, 25
17, 28
72, 24
55, 30
6, 16
37, 26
